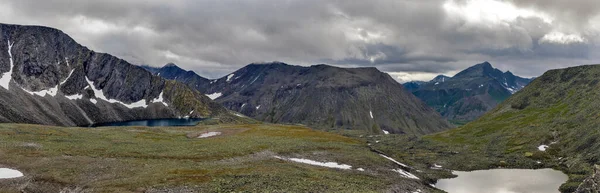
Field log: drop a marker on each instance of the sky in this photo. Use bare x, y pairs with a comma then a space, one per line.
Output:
409, 39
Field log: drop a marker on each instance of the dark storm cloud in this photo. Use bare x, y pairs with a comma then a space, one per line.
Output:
428, 37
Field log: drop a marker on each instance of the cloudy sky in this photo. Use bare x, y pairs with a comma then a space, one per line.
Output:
410, 39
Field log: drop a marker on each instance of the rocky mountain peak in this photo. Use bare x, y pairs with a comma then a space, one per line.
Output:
170, 65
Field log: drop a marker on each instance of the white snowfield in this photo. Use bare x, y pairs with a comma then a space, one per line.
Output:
393, 160
70, 73
139, 104
316, 163
229, 77
543, 147
51, 91
406, 174
75, 97
209, 134
160, 99
6, 173
7, 76
214, 96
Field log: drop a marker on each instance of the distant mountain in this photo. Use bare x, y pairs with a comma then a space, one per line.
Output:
173, 72
320, 96
554, 120
48, 78
470, 93
413, 85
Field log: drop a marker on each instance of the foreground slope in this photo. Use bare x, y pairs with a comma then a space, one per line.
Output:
239, 158
319, 96
470, 93
48, 78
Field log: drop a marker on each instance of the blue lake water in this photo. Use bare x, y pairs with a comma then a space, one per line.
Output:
152, 123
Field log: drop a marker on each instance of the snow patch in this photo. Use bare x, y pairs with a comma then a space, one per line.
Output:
209, 134
229, 77
70, 73
371, 113
100, 95
361, 169
254, 80
316, 163
543, 147
243, 106
385, 132
94, 101
74, 97
214, 96
7, 76
406, 174
436, 83
6, 173
257, 107
511, 90
42, 93
393, 160
160, 99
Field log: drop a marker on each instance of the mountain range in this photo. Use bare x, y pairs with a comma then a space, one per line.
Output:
470, 93
48, 78
319, 96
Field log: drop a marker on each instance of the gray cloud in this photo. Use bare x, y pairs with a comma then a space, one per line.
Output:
424, 38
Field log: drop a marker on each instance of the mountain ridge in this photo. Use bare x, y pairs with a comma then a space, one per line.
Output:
48, 78
323, 96
470, 93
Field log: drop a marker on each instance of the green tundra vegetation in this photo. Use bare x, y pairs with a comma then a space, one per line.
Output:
154, 159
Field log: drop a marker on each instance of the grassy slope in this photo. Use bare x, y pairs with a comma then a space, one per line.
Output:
560, 109
136, 159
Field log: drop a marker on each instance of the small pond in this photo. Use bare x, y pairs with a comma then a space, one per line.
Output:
504, 181
152, 123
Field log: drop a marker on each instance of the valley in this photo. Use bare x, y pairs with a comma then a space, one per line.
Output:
251, 157
74, 120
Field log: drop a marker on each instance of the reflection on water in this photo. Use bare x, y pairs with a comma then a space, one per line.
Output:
504, 181
152, 123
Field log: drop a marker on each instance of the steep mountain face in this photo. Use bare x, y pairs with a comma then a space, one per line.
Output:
553, 119
470, 93
324, 97
48, 78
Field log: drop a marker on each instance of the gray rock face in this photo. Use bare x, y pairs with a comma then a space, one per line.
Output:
55, 81
323, 97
